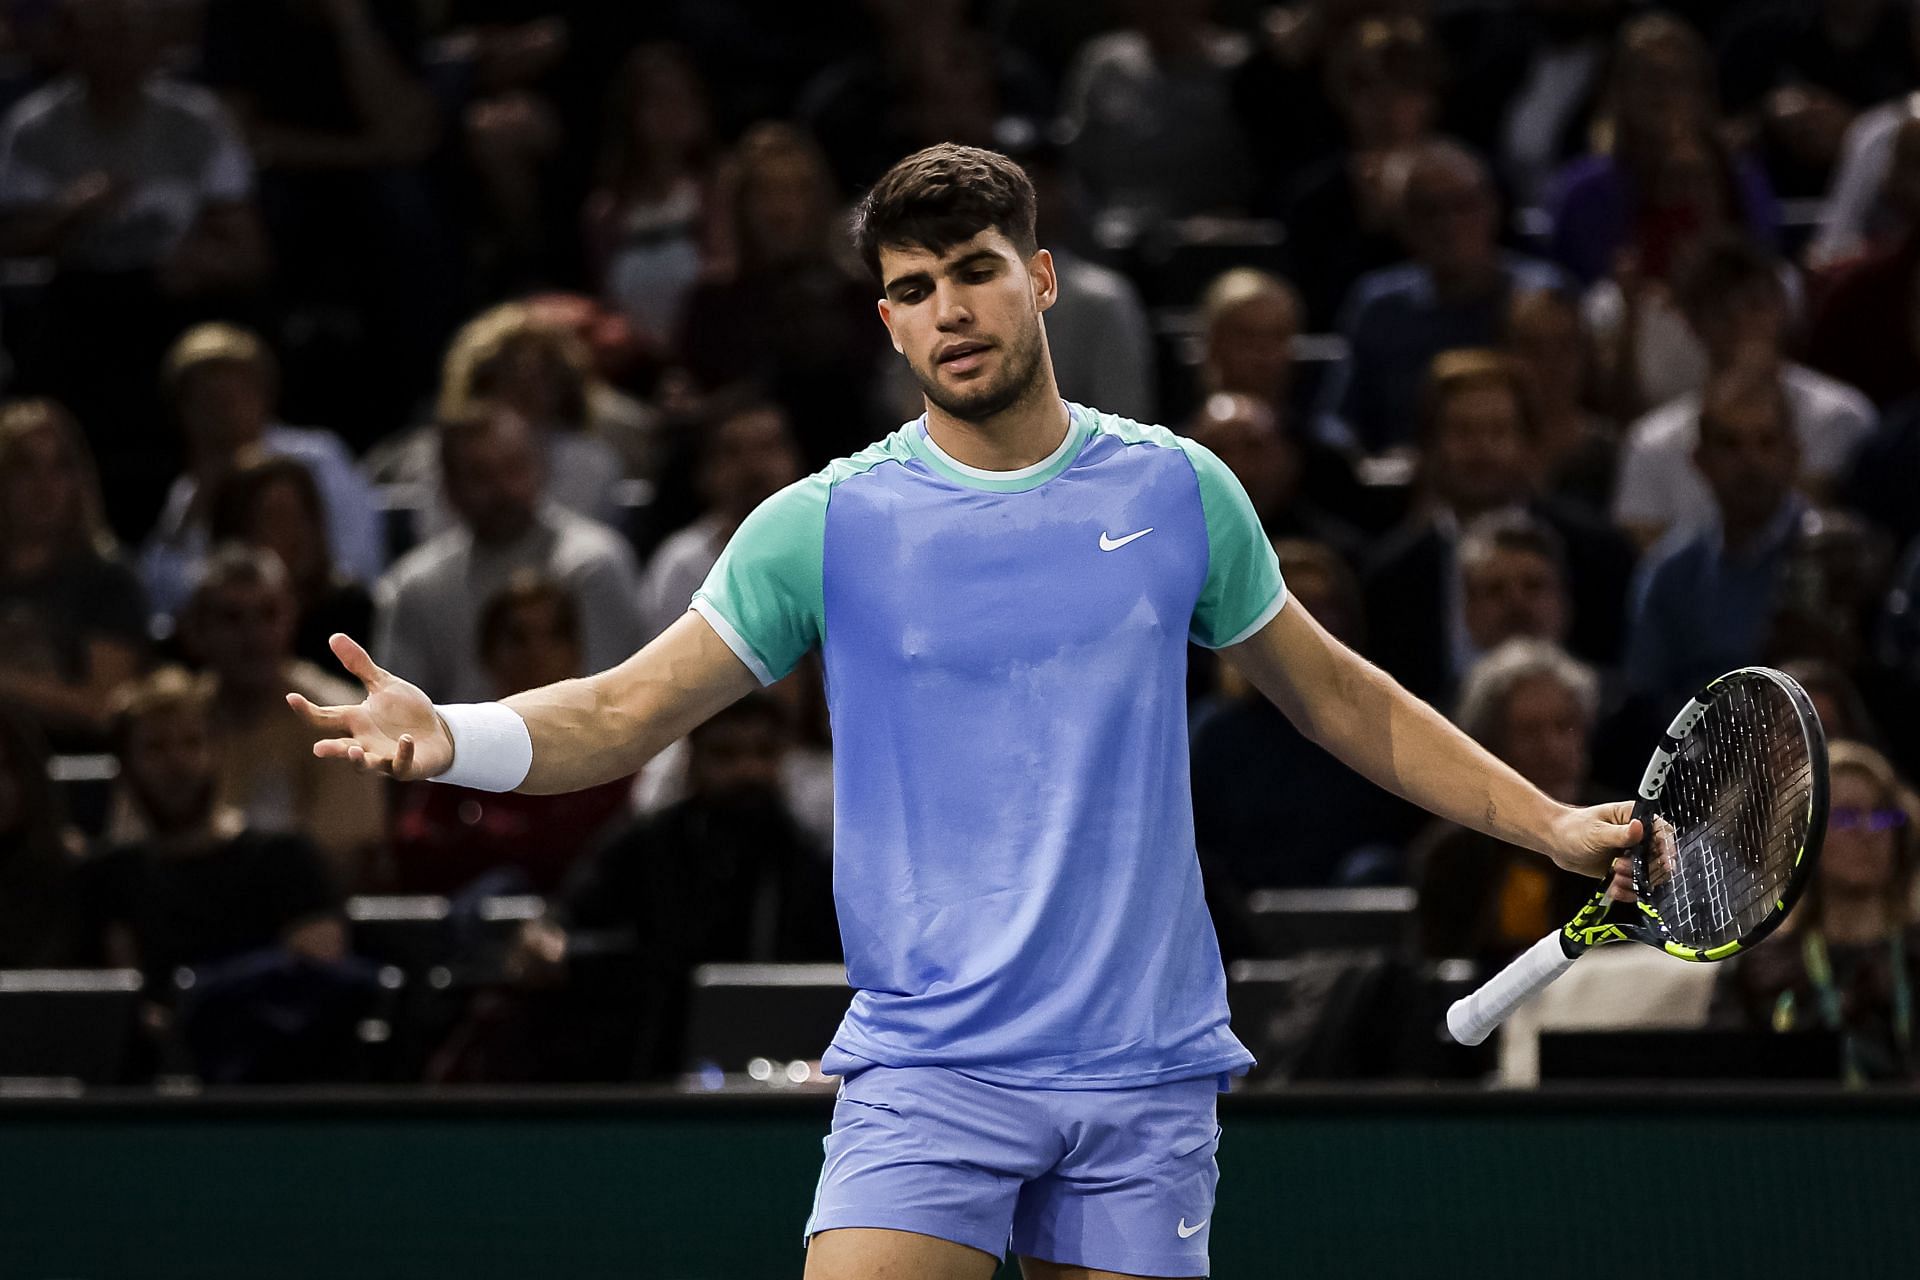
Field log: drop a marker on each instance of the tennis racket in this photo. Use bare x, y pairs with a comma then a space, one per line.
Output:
1732, 808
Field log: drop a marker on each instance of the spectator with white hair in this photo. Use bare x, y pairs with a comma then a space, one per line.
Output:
1534, 707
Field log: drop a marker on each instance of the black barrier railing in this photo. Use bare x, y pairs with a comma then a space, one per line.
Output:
587, 1183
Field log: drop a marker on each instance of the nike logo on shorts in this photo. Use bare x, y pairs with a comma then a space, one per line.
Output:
1186, 1230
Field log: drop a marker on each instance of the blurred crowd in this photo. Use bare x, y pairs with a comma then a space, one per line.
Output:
1569, 351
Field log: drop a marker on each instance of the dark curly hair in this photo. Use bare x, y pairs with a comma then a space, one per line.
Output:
943, 196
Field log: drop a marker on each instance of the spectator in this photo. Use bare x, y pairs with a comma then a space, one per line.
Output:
1454, 293
445, 837
1803, 72
1149, 112
724, 875
1650, 352
615, 357
542, 371
335, 107
514, 140
1848, 960
41, 922
427, 608
1554, 88
1098, 331
1250, 323
1705, 596
1285, 78
1272, 809
239, 626
1836, 700
186, 883
1660, 91
141, 192
1533, 707
222, 382
929, 77
1478, 437
274, 504
72, 620
1731, 293
1245, 433
1513, 582
1862, 211
1880, 482
646, 221
782, 309
1834, 579
1867, 328
1383, 77
1578, 448
747, 455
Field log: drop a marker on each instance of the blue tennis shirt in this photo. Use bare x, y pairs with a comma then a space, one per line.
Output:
1014, 867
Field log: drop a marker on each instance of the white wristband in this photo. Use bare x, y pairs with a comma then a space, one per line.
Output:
492, 750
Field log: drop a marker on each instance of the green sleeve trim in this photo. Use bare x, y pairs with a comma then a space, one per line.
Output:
765, 596
1244, 589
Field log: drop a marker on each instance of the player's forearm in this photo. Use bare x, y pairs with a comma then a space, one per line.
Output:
1380, 730
586, 732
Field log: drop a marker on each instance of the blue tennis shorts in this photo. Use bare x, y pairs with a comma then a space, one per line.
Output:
1109, 1179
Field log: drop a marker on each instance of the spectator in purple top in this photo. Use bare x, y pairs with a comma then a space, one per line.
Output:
1661, 90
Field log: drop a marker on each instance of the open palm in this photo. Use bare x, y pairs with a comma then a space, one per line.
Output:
395, 731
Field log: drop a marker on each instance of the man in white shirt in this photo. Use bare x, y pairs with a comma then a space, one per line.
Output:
1731, 293
427, 608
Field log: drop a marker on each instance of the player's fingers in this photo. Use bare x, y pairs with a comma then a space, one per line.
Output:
403, 756
355, 659
317, 716
1620, 881
335, 748
371, 761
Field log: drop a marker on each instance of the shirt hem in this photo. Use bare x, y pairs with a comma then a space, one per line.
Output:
732, 639
1236, 1063
1265, 616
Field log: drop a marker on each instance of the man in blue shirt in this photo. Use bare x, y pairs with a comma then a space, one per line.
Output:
1003, 591
1705, 599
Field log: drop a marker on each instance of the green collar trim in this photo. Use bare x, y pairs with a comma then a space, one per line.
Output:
1079, 427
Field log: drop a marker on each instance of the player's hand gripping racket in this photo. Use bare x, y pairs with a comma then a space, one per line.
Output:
1733, 807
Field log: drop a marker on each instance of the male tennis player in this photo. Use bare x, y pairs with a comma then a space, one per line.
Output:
1003, 591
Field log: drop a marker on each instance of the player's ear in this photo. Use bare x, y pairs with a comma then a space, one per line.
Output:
886, 318
1046, 282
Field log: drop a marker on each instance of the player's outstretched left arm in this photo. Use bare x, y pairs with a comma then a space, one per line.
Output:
578, 733
1365, 718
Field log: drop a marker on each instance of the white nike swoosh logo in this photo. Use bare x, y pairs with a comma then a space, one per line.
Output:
1186, 1230
1114, 544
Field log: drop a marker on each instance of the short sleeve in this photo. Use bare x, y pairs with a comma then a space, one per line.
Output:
1243, 588
765, 596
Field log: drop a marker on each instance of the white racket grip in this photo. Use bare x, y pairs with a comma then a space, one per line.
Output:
1473, 1017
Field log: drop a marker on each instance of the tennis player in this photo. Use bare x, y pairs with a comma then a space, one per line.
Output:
1003, 591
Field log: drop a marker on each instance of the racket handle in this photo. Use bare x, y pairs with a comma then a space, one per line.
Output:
1473, 1017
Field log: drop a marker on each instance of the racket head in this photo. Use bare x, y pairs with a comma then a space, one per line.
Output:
1733, 807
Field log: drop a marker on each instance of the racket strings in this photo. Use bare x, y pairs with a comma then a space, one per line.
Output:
1737, 799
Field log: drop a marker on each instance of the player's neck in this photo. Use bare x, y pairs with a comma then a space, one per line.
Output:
1025, 432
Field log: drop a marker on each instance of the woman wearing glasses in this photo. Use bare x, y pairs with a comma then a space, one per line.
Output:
1848, 959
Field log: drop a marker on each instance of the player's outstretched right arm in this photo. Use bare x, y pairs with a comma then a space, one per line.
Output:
583, 732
